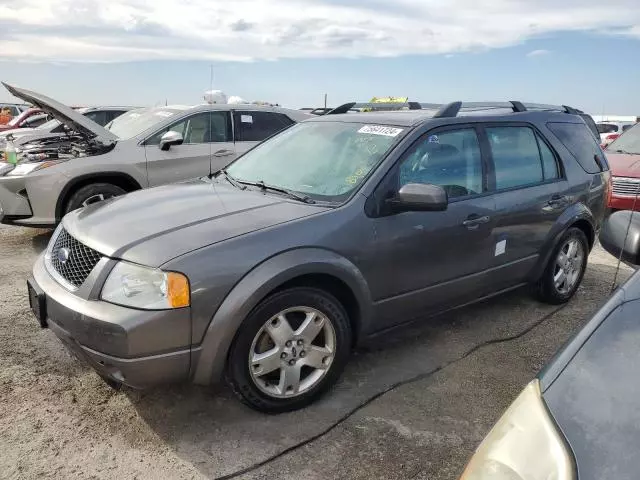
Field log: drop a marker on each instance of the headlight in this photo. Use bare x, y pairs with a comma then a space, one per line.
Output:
26, 168
146, 288
523, 445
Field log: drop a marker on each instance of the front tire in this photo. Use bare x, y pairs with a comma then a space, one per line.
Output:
290, 349
565, 269
92, 193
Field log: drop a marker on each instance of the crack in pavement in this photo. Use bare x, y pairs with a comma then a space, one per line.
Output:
371, 399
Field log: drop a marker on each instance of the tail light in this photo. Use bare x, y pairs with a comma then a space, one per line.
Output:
612, 137
609, 188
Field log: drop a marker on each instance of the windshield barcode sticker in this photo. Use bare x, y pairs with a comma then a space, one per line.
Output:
379, 130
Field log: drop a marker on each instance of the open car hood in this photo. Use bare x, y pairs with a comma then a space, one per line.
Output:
74, 120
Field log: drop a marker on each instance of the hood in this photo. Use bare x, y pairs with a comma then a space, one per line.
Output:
624, 165
150, 227
74, 120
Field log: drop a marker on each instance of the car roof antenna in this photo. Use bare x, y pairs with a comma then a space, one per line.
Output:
626, 236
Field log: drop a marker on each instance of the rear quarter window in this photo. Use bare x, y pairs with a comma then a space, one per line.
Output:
581, 144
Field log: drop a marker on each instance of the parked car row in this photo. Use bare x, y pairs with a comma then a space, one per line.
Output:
30, 118
268, 271
609, 131
14, 109
53, 130
140, 148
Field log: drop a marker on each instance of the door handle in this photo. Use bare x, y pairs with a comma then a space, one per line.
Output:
557, 201
474, 221
223, 153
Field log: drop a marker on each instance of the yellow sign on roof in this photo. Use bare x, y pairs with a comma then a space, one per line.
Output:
389, 100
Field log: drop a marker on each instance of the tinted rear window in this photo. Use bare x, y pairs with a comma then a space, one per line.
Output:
607, 128
255, 126
580, 142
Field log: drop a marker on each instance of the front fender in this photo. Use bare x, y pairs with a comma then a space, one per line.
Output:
210, 357
578, 212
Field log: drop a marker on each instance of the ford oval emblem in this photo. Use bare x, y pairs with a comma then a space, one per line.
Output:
63, 255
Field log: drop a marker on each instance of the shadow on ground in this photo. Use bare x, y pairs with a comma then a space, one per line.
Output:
41, 240
218, 435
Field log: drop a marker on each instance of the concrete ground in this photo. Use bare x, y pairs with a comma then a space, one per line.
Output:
413, 404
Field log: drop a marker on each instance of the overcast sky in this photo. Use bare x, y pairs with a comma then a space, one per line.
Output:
583, 52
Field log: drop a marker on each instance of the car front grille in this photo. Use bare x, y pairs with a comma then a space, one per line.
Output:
72, 260
626, 187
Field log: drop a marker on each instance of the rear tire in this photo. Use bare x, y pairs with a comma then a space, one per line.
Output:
92, 193
290, 349
565, 270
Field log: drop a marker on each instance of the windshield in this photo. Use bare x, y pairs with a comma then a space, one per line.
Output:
133, 123
628, 142
325, 160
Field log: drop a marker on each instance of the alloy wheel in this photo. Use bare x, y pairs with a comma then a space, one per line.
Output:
292, 352
96, 198
568, 266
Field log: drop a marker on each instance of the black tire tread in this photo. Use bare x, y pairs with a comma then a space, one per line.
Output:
75, 200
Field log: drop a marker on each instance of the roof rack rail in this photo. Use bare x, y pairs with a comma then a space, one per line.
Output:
453, 109
379, 106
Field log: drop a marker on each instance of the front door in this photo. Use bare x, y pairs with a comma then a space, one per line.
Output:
207, 136
528, 197
428, 261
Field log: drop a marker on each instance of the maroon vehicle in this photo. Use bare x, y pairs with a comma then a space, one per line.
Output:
32, 118
624, 159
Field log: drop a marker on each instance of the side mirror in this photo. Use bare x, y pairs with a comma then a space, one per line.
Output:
420, 197
170, 139
621, 233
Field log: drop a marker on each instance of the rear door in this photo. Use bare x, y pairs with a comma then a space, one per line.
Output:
253, 126
204, 134
526, 178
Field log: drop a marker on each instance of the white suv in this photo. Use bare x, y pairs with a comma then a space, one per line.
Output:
609, 131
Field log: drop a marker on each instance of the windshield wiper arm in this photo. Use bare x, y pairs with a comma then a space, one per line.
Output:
289, 193
229, 179
626, 153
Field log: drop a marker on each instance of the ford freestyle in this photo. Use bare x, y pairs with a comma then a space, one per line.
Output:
268, 272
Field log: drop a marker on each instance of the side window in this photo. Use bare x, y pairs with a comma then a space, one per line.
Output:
515, 156
549, 162
450, 159
204, 127
113, 114
254, 126
98, 117
580, 143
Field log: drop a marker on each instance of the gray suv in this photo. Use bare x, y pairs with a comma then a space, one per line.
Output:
338, 228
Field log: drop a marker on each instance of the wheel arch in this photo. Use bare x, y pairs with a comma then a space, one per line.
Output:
120, 179
311, 267
578, 216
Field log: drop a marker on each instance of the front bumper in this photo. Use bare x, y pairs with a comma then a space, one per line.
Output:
14, 203
93, 330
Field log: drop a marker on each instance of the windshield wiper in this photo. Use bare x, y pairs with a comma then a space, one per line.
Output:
289, 193
229, 179
626, 153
